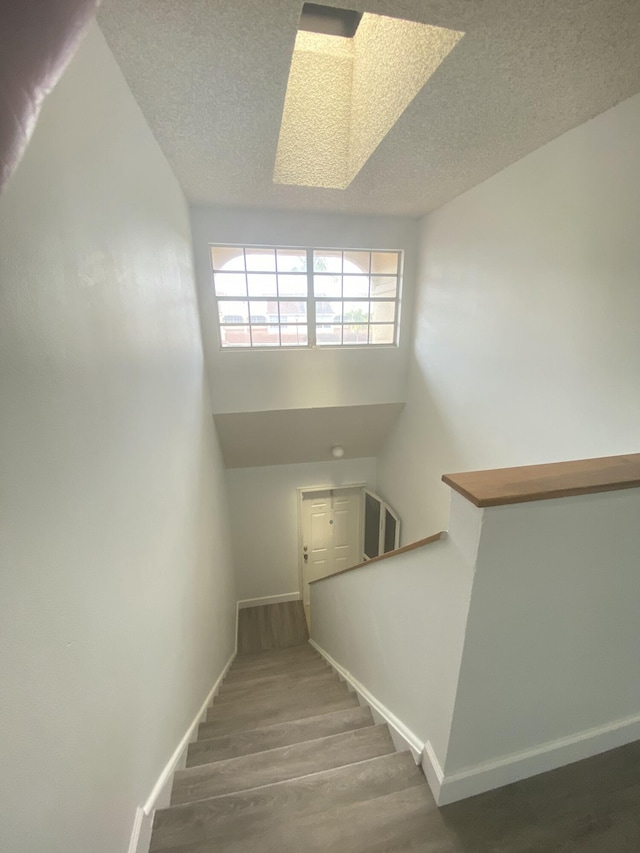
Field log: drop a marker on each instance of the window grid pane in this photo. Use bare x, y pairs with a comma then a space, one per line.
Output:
230, 284
294, 335
291, 312
264, 300
291, 260
260, 260
265, 336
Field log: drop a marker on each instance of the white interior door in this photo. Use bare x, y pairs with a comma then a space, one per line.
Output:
330, 533
346, 529
317, 539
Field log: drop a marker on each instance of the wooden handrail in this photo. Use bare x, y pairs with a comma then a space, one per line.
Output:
410, 547
542, 482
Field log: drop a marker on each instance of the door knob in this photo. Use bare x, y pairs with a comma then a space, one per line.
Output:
306, 557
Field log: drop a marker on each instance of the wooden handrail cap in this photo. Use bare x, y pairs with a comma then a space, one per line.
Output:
501, 486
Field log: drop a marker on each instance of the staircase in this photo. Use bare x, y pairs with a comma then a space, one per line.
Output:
287, 760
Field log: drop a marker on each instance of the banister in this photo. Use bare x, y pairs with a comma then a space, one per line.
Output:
411, 546
501, 486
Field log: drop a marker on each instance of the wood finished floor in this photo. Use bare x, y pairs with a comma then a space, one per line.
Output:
271, 626
288, 761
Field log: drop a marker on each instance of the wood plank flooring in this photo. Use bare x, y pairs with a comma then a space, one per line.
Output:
288, 761
271, 626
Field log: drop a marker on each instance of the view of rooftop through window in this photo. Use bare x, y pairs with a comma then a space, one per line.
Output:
284, 297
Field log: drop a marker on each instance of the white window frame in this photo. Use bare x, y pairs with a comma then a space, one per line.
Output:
382, 525
311, 300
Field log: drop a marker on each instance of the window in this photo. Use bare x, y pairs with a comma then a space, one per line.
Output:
283, 297
381, 527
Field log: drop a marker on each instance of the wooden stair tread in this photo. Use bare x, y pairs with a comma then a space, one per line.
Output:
276, 656
250, 719
405, 821
276, 765
248, 812
282, 681
281, 734
251, 673
274, 667
271, 626
272, 700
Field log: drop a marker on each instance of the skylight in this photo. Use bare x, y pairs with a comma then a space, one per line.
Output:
329, 20
345, 94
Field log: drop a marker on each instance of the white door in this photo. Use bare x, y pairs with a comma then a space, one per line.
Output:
317, 524
330, 533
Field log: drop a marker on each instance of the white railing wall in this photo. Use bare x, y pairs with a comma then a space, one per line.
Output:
509, 647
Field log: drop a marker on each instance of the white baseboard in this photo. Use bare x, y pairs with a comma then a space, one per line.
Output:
141, 832
268, 599
547, 756
403, 737
432, 770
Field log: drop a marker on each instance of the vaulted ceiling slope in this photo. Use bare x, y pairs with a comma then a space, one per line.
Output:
211, 77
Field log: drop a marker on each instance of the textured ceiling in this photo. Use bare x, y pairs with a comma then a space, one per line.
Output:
211, 77
345, 94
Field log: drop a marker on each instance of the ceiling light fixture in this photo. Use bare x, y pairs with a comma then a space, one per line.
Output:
337, 451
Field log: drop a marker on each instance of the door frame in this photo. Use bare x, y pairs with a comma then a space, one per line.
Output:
303, 491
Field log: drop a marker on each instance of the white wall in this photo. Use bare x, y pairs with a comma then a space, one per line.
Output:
117, 603
550, 670
526, 329
397, 626
261, 381
264, 519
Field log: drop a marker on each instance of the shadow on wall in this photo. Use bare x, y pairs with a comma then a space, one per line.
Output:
421, 447
34, 51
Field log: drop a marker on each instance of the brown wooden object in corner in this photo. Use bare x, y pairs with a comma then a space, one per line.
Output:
542, 482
